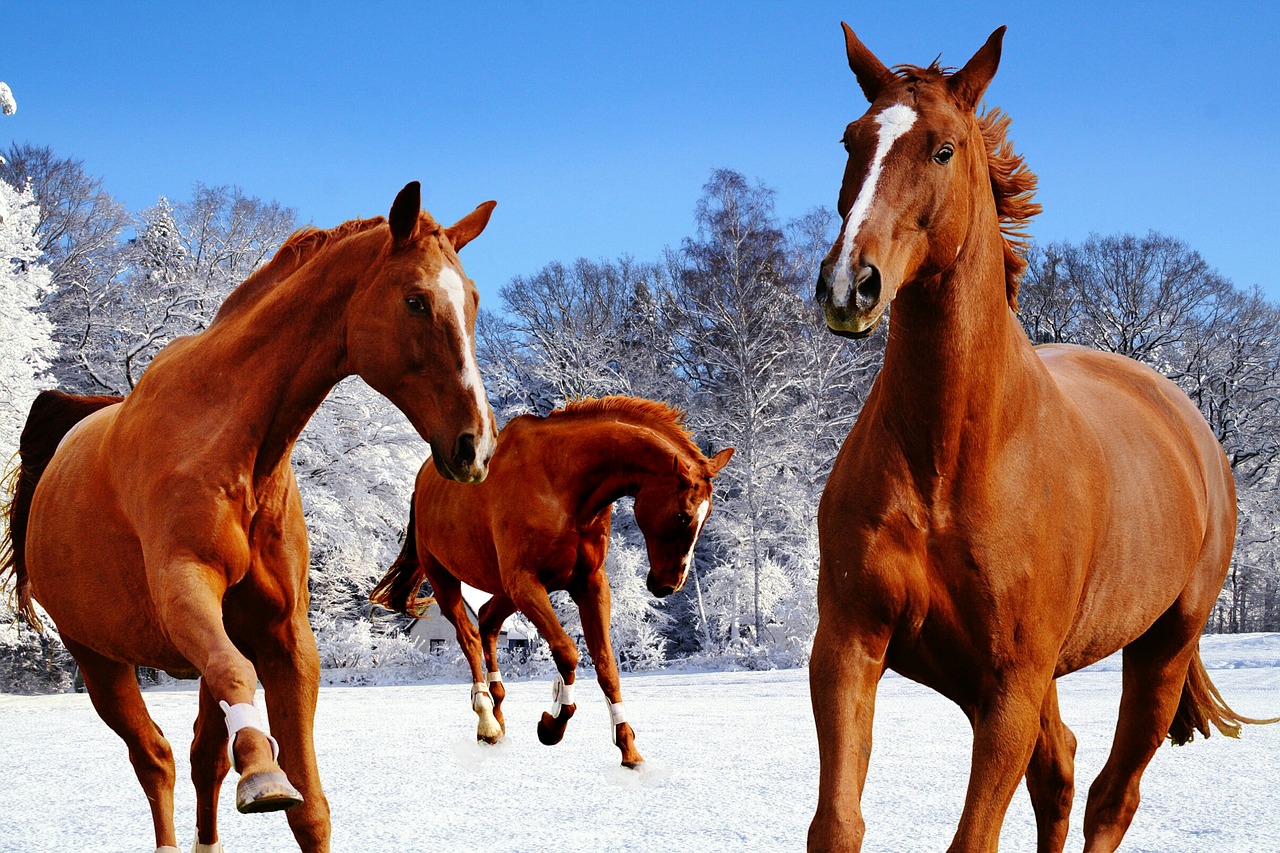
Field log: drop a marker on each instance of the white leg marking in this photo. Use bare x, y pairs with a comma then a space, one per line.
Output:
894, 121
451, 283
482, 703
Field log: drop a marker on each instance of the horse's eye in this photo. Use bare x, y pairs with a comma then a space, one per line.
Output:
683, 518
416, 304
943, 157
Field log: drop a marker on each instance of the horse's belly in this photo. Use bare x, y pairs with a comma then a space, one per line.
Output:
86, 570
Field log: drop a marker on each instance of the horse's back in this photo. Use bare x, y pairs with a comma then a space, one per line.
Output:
1168, 524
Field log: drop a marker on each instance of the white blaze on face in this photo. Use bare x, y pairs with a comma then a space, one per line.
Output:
894, 121
699, 518
451, 283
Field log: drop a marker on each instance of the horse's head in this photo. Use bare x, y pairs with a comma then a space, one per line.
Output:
411, 335
671, 512
912, 184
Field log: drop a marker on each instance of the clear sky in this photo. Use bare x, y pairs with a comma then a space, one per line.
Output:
595, 125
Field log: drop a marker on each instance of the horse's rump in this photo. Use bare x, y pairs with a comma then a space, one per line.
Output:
52, 416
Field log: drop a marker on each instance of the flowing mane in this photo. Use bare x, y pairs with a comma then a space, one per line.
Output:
301, 246
660, 417
1012, 183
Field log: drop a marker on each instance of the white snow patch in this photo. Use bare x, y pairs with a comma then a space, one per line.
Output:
734, 767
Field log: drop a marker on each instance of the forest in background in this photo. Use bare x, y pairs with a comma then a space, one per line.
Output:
722, 326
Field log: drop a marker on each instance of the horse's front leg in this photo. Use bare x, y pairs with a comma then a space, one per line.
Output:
1005, 728
532, 600
593, 602
844, 672
289, 666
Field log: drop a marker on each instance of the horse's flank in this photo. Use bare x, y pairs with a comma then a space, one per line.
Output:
53, 414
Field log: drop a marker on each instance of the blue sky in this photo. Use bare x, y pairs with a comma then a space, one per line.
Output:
595, 125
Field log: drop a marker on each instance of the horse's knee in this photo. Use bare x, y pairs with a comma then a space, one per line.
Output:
230, 674
831, 833
310, 825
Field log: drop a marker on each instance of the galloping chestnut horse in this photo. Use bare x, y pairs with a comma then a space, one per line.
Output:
541, 522
1000, 515
166, 529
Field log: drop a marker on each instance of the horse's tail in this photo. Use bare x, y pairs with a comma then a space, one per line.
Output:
1202, 704
52, 416
398, 589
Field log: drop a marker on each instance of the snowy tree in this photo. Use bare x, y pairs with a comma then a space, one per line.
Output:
738, 315
25, 336
29, 662
8, 105
79, 230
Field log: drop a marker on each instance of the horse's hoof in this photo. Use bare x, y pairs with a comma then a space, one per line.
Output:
550, 730
633, 765
269, 791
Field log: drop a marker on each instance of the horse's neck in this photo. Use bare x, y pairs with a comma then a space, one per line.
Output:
615, 460
267, 367
955, 366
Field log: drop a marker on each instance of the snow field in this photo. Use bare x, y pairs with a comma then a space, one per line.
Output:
732, 766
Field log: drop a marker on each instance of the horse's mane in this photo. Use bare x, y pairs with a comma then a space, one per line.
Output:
666, 420
301, 246
1012, 183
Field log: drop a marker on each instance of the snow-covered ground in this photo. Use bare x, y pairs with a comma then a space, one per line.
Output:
732, 767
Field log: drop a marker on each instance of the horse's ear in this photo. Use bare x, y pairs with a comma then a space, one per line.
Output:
469, 227
968, 84
404, 213
869, 70
720, 460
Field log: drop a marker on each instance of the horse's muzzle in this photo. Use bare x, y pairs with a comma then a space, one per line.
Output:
851, 310
658, 588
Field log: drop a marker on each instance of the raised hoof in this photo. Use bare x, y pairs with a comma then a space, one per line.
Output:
268, 791
550, 730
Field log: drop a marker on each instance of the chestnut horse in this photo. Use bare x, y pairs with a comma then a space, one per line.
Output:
166, 529
1001, 515
541, 522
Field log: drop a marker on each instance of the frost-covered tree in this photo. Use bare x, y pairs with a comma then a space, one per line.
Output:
25, 336
79, 230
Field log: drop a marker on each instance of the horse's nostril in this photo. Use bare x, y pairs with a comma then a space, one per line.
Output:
821, 290
464, 450
867, 288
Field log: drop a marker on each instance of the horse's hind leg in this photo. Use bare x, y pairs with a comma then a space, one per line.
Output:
494, 612
448, 593
1051, 776
209, 765
1155, 668
116, 697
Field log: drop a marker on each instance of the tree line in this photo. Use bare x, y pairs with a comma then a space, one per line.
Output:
722, 326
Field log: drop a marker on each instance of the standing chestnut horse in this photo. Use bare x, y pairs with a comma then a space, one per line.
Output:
540, 522
1001, 515
166, 529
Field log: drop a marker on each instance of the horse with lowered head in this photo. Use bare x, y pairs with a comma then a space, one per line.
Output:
541, 521
1001, 514
165, 529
